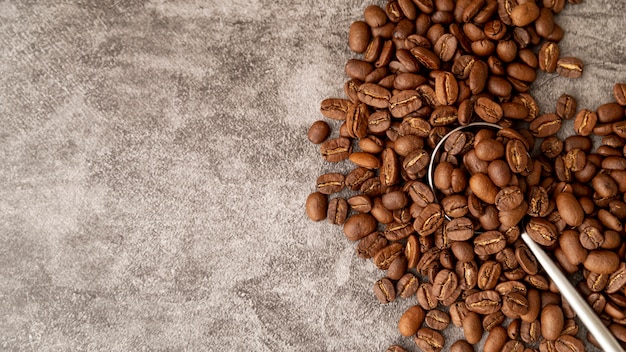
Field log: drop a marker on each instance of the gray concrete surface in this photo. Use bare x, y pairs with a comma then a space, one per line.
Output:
154, 167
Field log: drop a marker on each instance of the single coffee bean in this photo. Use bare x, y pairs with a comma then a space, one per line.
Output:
425, 297
365, 160
509, 198
567, 343
619, 92
489, 150
495, 340
602, 261
548, 58
446, 46
395, 348
437, 319
370, 245
384, 291
617, 280
484, 302
545, 125
416, 161
336, 150
591, 236
316, 206
375, 16
446, 88
552, 147
455, 206
552, 322
426, 57
541, 231
524, 14
461, 346
429, 219
429, 340
610, 112
482, 186
493, 320
337, 211
472, 328
526, 259
411, 320
488, 110
517, 156
335, 109
359, 36
445, 284
569, 67
330, 183
584, 122
359, 226
566, 106
570, 209
489, 274
358, 69
459, 229
318, 132
530, 332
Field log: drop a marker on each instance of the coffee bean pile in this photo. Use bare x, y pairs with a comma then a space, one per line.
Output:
425, 68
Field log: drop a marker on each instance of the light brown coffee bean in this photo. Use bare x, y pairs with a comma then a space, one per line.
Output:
482, 186
567, 343
437, 319
384, 291
569, 67
602, 261
316, 206
446, 88
472, 328
552, 322
517, 156
545, 125
429, 340
489, 242
570, 209
335, 150
488, 110
370, 245
411, 320
484, 302
584, 122
524, 14
619, 92
337, 211
548, 57
461, 346
541, 231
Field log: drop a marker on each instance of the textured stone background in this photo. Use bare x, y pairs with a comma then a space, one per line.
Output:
154, 167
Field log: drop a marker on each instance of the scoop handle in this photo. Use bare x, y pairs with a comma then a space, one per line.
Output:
600, 332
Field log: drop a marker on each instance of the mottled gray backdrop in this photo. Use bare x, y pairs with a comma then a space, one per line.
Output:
154, 167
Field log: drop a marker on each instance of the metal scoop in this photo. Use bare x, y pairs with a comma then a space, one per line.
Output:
600, 332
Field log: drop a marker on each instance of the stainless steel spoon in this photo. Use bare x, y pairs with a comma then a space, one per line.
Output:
600, 332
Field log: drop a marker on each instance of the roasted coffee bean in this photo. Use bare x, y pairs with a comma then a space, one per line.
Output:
489, 274
395, 348
461, 346
446, 88
330, 183
545, 125
569, 67
443, 116
490, 242
445, 284
384, 291
584, 122
318, 132
416, 161
617, 280
526, 259
548, 58
425, 297
359, 226
459, 229
358, 69
426, 57
472, 328
316, 206
570, 209
484, 302
335, 109
619, 92
538, 202
429, 340
552, 322
488, 110
530, 332
336, 150
495, 340
337, 211
355, 179
429, 219
420, 193
567, 343
509, 198
437, 319
541, 231
602, 261
482, 186
371, 244
468, 274
517, 156
411, 320
359, 36
365, 160
493, 320
566, 106
455, 206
